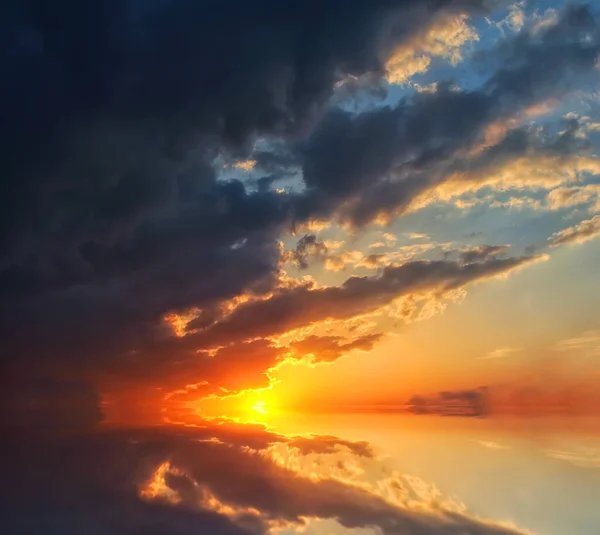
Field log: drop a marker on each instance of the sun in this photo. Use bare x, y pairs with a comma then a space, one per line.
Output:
260, 407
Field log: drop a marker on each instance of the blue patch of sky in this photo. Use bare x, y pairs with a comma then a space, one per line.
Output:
286, 181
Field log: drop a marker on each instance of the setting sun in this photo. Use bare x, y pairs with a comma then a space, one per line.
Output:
260, 407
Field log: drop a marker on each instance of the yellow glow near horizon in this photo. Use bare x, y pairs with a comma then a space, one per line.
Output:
260, 406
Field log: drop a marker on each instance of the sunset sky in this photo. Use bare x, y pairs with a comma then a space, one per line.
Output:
235, 217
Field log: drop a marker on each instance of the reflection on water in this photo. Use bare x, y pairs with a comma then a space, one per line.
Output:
541, 474
315, 474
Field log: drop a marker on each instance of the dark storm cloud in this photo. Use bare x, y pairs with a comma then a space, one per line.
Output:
379, 161
96, 483
99, 96
112, 116
292, 308
113, 214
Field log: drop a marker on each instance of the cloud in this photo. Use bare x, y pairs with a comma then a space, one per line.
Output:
374, 261
338, 262
444, 38
328, 445
116, 120
588, 343
391, 159
130, 263
291, 309
481, 253
567, 197
583, 231
501, 352
520, 161
492, 445
546, 392
330, 348
465, 403
583, 459
309, 246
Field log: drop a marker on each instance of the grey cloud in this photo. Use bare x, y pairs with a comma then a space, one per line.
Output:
465, 403
309, 246
113, 215
113, 116
289, 309
481, 253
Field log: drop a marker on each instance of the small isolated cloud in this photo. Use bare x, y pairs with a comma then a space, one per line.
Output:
583, 457
464, 403
587, 343
501, 352
580, 233
330, 348
309, 246
245, 165
541, 392
515, 20
493, 445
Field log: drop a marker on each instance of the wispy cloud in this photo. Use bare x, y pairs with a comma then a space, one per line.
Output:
582, 232
584, 458
588, 343
493, 445
501, 352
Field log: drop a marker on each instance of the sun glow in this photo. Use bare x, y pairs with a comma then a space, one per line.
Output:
260, 407
251, 406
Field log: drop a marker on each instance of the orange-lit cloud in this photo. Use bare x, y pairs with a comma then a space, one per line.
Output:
580, 233
298, 307
329, 348
444, 38
566, 197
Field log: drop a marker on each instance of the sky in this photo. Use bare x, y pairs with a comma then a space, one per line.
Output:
223, 223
